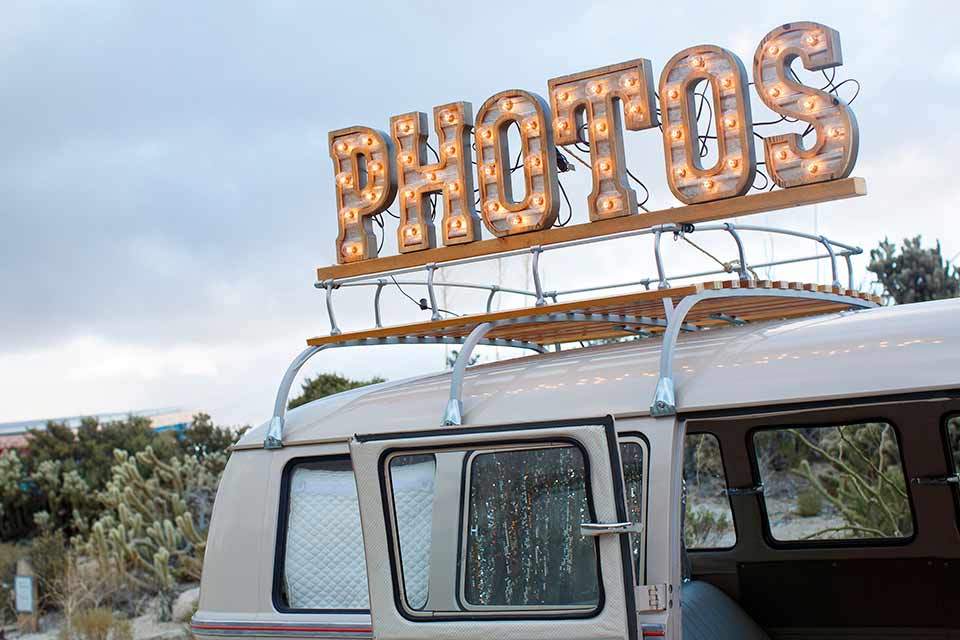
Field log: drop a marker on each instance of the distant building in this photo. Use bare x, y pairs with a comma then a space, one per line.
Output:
15, 435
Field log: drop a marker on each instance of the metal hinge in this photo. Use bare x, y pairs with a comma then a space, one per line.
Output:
937, 480
654, 600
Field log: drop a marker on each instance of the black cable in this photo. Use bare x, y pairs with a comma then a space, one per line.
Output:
569, 206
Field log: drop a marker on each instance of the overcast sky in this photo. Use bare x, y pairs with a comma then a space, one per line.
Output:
166, 190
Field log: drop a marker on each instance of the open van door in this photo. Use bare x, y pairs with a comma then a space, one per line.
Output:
516, 531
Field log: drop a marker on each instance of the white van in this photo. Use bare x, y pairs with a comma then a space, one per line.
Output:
550, 500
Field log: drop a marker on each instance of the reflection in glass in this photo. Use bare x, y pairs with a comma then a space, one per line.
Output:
412, 479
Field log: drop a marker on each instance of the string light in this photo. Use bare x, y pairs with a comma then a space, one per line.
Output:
343, 147
507, 105
374, 167
345, 179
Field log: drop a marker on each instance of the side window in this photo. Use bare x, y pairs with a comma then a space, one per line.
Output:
843, 482
321, 564
413, 478
634, 459
953, 442
708, 520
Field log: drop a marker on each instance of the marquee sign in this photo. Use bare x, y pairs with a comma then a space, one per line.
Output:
375, 170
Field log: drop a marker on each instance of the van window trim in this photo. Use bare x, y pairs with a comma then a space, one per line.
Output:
777, 544
280, 543
636, 437
726, 484
953, 463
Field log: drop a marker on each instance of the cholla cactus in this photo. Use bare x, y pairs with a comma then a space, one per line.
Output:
147, 532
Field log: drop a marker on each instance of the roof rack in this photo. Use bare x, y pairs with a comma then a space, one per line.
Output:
665, 309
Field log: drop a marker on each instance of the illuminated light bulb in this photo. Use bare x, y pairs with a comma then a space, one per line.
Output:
835, 132
407, 158
812, 39
532, 126
353, 249
349, 215
562, 124
431, 176
409, 194
596, 89
610, 204
631, 81
456, 223
636, 110
782, 154
774, 92
507, 105
517, 220
604, 166
538, 200
370, 196
490, 169
344, 179
493, 206
369, 141
453, 187
374, 167
451, 117
406, 126
699, 62
600, 126
708, 184
733, 163
451, 149
726, 83
486, 134
773, 49
730, 122
810, 103
681, 172
673, 93
813, 168
677, 134
535, 162
563, 96
343, 147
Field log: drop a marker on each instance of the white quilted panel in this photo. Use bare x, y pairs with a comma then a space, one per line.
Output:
324, 565
413, 501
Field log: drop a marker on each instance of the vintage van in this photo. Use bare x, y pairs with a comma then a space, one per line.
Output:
749, 477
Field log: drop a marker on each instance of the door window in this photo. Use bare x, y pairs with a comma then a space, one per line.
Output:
707, 518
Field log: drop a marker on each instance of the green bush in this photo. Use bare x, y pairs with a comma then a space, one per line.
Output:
703, 527
809, 503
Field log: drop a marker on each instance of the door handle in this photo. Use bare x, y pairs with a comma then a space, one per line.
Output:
609, 528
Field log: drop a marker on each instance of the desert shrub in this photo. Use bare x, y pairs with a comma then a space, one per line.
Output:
49, 557
122, 629
92, 624
809, 503
703, 528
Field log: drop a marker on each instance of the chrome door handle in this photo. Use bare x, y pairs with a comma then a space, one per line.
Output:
609, 528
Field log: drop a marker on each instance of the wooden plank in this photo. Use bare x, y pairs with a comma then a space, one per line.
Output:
694, 213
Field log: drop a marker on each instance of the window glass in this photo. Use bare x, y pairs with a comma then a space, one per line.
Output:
412, 478
323, 564
833, 483
953, 441
523, 541
632, 457
708, 520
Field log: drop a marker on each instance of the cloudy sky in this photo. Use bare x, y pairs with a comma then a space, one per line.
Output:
166, 191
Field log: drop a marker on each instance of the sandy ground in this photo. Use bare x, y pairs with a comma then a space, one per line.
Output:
785, 523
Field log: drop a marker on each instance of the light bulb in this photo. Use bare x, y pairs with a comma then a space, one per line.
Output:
812, 39
486, 134
353, 249
370, 195
813, 168
369, 141
431, 176
810, 103
532, 126
677, 134
451, 117
538, 200
835, 132
343, 147
698, 62
490, 169
407, 158
730, 122
596, 89
681, 172
708, 184
451, 149
507, 105
773, 49
774, 92
493, 206
344, 179
630, 81
374, 167
600, 126
782, 154
453, 187
349, 215
562, 124
456, 223
535, 162
733, 163
412, 232
604, 166
727, 82
610, 204
563, 96
673, 93
517, 220
406, 126
409, 194
636, 110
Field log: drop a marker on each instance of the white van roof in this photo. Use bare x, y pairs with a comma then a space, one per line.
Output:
871, 352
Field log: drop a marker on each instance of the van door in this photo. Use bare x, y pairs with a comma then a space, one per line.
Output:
516, 531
